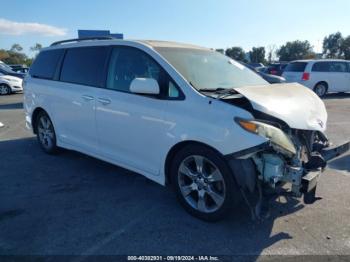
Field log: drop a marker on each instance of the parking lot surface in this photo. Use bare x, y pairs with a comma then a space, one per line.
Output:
74, 204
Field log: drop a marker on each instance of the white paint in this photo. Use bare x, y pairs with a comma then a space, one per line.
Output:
15, 83
293, 103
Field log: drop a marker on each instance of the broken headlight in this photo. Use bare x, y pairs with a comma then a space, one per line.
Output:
274, 134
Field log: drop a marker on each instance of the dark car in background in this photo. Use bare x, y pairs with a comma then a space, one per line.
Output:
19, 68
7, 70
262, 71
272, 79
256, 65
276, 68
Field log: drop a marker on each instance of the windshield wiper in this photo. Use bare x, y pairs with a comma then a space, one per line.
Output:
212, 90
222, 92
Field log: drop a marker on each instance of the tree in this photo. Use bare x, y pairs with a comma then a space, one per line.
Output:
271, 53
36, 48
15, 58
3, 54
236, 53
295, 50
16, 48
14, 55
220, 50
332, 45
257, 55
29, 61
346, 48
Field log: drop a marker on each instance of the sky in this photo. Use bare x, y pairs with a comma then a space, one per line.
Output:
209, 23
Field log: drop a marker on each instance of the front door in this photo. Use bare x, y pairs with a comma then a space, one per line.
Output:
131, 127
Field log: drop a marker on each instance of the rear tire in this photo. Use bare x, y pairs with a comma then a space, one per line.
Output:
203, 183
46, 133
5, 89
321, 89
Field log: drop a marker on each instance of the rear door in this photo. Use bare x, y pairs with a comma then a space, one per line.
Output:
74, 96
294, 71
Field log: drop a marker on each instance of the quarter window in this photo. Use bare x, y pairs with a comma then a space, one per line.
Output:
85, 66
339, 67
128, 63
44, 66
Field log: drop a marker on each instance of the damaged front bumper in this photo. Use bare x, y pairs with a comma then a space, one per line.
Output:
274, 170
332, 152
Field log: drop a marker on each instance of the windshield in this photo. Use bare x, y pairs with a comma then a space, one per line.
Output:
206, 69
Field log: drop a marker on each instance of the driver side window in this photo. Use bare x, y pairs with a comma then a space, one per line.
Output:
128, 63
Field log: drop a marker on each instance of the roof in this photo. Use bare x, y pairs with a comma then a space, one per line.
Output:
106, 40
322, 59
156, 43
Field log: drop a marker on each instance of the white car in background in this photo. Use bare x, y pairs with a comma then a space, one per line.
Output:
322, 76
10, 84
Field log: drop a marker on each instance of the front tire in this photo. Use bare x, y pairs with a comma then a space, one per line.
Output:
5, 89
46, 133
203, 183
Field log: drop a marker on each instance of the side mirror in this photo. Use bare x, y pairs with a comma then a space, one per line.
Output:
147, 86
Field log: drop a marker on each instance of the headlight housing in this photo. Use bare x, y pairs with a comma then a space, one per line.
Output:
274, 134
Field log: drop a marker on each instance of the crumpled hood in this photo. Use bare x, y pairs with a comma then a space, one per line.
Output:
293, 103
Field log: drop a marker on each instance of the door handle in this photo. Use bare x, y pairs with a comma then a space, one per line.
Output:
104, 101
87, 98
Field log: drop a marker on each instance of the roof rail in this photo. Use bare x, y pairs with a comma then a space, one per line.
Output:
82, 39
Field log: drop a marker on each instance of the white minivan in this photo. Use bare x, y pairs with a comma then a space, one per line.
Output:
181, 115
322, 76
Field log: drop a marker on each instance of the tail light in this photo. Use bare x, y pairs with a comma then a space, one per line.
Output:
306, 76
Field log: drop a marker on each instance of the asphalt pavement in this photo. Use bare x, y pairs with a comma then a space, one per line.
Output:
72, 204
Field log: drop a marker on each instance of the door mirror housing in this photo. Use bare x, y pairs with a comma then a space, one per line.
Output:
146, 86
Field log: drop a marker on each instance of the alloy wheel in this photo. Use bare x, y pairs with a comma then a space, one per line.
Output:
4, 90
320, 90
46, 132
201, 184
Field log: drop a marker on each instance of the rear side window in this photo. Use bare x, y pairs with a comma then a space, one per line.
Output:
45, 64
296, 67
85, 66
339, 67
321, 67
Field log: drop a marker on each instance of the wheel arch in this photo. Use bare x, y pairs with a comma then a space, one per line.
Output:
246, 179
35, 116
322, 82
176, 148
7, 85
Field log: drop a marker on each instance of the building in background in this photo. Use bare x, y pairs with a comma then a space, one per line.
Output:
98, 33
